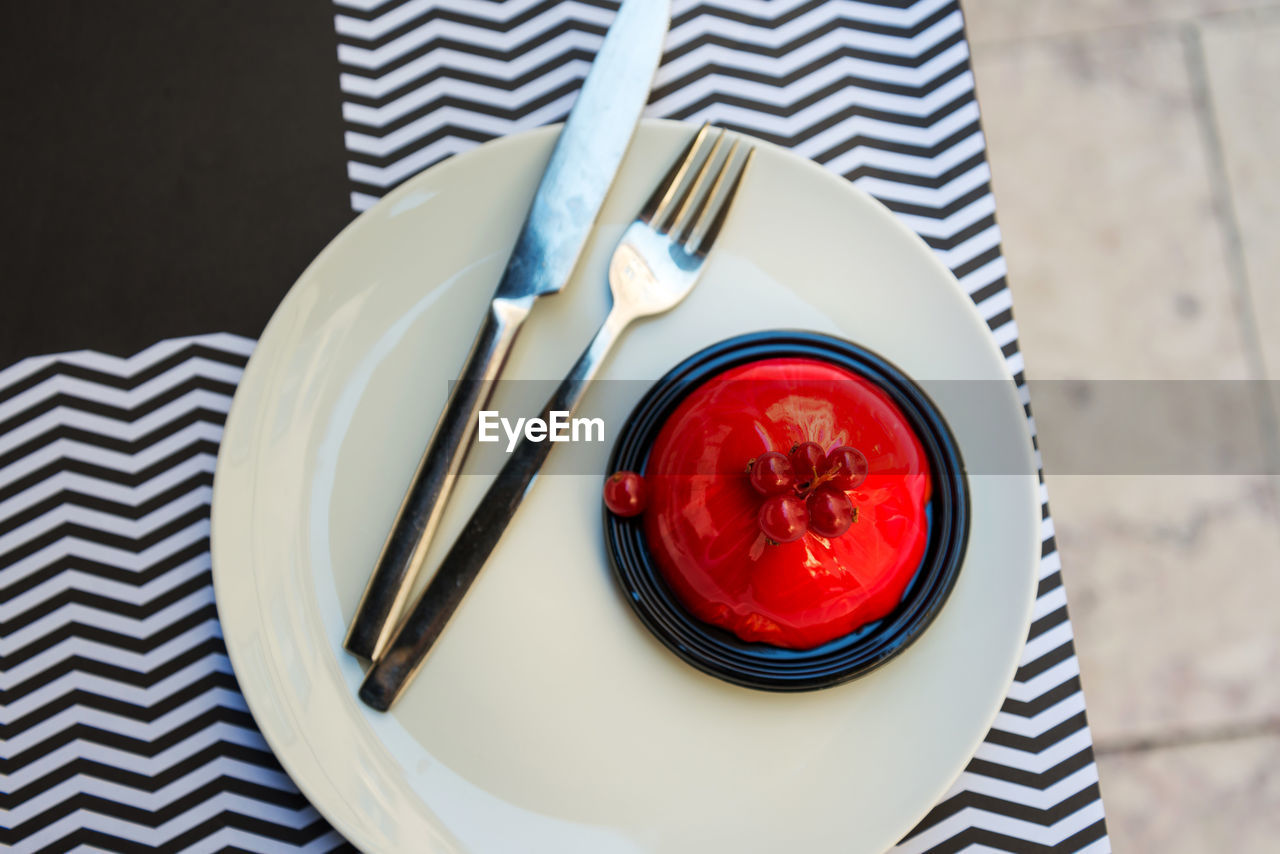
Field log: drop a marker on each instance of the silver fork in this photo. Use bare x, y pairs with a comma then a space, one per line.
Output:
654, 266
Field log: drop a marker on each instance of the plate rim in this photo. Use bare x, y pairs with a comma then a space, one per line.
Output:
310, 787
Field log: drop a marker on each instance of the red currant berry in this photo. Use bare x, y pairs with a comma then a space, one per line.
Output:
784, 518
771, 474
830, 512
625, 494
806, 459
847, 466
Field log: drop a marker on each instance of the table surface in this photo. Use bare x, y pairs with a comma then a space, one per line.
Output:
122, 724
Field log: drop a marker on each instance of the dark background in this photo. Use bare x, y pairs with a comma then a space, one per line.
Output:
170, 167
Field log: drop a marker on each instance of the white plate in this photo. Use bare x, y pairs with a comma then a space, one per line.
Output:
547, 718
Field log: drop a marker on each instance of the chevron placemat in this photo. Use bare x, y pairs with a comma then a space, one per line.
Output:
121, 727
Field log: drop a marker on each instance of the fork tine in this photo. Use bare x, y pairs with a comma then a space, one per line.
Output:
712, 216
673, 188
692, 203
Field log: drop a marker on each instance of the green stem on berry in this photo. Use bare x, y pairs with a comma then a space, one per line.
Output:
806, 489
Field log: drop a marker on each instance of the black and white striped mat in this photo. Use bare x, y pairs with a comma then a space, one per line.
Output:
121, 727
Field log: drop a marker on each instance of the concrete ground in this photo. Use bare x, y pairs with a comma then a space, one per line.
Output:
1135, 152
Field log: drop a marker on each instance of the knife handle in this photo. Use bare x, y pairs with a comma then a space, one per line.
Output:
407, 650
416, 521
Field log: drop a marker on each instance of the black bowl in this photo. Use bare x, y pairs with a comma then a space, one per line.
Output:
756, 665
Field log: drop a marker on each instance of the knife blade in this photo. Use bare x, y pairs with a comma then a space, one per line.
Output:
563, 212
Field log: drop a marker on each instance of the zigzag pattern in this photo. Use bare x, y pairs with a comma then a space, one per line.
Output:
879, 91
121, 724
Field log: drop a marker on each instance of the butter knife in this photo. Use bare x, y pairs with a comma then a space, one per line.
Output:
565, 207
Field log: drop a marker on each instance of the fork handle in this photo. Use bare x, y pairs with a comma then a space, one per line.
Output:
415, 523
408, 648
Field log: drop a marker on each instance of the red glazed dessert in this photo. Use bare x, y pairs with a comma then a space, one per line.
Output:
704, 517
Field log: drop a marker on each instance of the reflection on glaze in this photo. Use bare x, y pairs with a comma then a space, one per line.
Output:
701, 522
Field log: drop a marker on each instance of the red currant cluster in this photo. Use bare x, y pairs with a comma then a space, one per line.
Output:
806, 490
